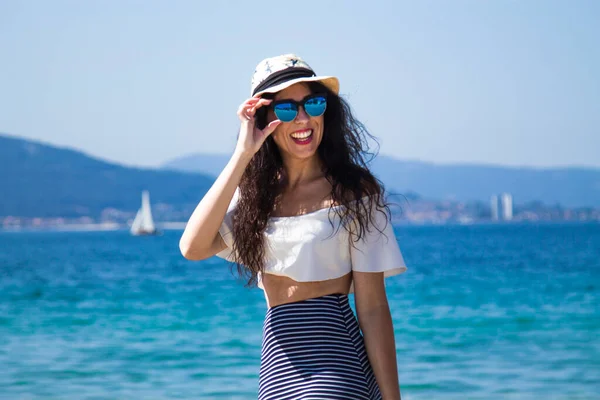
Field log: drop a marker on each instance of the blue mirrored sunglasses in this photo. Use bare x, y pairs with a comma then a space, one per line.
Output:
287, 110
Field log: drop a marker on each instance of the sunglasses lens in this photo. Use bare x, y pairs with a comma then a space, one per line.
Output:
315, 106
286, 112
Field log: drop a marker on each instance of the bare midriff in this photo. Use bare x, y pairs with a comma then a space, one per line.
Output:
281, 289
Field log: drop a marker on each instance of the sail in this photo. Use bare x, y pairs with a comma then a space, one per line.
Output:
137, 222
147, 222
143, 222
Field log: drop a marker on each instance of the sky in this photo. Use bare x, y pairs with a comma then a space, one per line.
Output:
142, 82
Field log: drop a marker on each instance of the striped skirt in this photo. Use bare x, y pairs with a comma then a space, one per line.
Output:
313, 349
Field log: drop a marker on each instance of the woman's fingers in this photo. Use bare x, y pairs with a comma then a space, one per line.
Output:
255, 102
247, 104
259, 104
271, 127
249, 107
263, 102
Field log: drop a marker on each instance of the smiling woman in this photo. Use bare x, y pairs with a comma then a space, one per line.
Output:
301, 215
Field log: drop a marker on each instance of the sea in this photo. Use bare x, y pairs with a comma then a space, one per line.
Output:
484, 312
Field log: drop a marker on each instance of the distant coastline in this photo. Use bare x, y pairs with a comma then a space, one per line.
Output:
408, 210
89, 227
180, 226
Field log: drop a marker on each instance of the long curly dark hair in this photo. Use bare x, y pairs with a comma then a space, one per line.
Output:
344, 153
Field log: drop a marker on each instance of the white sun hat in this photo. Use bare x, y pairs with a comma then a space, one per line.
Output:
277, 73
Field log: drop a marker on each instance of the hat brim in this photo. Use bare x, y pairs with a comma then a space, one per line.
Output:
331, 82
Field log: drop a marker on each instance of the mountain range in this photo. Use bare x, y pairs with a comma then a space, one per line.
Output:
41, 180
569, 187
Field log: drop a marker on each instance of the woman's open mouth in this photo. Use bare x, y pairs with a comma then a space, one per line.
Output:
302, 137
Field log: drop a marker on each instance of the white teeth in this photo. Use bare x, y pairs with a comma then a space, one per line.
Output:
302, 135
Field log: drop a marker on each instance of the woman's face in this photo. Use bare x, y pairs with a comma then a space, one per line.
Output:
301, 137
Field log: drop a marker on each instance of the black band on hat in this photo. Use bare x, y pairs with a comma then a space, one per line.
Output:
283, 76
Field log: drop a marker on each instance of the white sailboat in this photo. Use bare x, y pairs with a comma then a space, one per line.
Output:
143, 223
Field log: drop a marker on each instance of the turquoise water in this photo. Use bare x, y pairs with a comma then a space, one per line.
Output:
484, 312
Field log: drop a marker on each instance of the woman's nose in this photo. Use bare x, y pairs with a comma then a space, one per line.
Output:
302, 115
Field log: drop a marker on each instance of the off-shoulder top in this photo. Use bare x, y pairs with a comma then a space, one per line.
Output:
308, 248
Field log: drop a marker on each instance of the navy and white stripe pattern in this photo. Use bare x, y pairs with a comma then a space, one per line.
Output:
313, 349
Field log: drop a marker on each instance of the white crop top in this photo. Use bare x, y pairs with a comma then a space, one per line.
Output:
307, 248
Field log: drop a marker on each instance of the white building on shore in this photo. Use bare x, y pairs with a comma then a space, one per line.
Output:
501, 207
507, 206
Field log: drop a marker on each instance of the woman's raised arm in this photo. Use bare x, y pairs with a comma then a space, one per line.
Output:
201, 238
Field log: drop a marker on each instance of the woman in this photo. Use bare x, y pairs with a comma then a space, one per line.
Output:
299, 212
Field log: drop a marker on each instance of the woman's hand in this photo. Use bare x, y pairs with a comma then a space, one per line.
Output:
251, 138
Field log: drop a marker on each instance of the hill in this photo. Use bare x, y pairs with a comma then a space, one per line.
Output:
40, 180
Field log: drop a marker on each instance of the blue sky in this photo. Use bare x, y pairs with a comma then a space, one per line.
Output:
142, 82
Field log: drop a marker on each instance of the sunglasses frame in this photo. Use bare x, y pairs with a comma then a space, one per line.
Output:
299, 104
